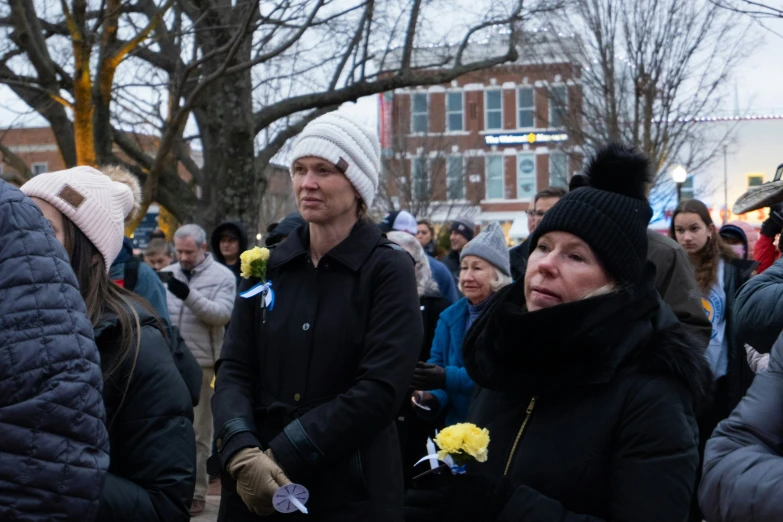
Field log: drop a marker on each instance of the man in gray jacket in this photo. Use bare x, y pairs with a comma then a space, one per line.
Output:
200, 299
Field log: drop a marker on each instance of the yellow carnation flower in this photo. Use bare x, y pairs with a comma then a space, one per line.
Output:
463, 438
253, 262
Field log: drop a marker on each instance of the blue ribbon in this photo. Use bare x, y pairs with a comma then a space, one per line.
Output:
263, 289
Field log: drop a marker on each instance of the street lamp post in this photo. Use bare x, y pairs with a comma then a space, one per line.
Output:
679, 175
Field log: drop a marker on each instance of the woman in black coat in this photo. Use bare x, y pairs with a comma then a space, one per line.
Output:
585, 380
308, 389
148, 410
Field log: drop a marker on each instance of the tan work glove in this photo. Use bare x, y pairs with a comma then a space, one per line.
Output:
258, 478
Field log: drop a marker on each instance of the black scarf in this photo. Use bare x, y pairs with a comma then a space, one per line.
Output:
578, 342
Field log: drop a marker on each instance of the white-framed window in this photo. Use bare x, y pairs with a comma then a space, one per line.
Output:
455, 112
558, 105
558, 169
493, 166
455, 177
39, 168
526, 176
419, 114
526, 108
420, 178
493, 108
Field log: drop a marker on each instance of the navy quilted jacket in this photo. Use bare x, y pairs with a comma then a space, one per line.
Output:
53, 443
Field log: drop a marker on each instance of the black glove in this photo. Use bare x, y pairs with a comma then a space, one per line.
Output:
428, 377
774, 223
178, 288
445, 497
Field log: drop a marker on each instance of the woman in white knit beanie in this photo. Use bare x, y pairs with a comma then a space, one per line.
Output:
148, 410
309, 384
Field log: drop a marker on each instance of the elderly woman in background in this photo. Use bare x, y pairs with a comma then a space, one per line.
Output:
414, 430
442, 384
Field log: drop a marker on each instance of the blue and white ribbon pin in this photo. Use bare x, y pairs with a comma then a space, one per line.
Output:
262, 288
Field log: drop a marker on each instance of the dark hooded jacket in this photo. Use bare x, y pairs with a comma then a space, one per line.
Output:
153, 447
54, 450
241, 233
591, 406
743, 462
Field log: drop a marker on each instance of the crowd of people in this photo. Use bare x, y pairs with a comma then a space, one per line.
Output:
621, 374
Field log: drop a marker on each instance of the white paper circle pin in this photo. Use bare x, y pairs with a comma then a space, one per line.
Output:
290, 498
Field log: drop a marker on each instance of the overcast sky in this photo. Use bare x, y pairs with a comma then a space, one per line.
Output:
759, 84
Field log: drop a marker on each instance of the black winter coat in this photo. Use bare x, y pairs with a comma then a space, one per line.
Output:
153, 447
518, 257
739, 375
320, 378
743, 462
590, 406
413, 429
54, 449
451, 260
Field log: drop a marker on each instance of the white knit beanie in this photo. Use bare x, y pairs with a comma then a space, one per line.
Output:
353, 148
96, 203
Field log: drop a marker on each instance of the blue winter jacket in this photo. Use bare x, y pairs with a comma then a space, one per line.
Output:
54, 450
444, 279
148, 284
447, 353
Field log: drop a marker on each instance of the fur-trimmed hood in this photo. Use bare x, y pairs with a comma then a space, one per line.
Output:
586, 342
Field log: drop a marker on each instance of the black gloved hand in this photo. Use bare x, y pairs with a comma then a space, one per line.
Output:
774, 223
179, 288
428, 377
445, 497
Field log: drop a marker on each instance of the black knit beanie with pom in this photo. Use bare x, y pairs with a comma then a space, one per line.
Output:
609, 211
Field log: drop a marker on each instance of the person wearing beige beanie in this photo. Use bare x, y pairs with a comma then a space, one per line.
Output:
148, 409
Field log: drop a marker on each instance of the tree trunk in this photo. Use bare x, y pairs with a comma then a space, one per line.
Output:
230, 155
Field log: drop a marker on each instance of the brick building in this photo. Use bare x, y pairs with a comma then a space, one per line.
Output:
482, 145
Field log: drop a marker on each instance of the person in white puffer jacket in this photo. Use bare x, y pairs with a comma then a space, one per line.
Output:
200, 298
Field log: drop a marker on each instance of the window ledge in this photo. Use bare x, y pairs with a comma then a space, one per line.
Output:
457, 133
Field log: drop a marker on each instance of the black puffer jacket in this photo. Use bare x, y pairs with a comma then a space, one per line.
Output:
153, 447
590, 406
320, 378
743, 462
54, 449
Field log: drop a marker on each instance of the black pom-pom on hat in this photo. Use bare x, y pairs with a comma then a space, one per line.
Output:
617, 168
608, 209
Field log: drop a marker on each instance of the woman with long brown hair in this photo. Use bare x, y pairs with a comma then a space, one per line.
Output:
719, 274
148, 408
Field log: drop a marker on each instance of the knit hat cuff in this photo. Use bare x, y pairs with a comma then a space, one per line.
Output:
89, 215
321, 147
619, 253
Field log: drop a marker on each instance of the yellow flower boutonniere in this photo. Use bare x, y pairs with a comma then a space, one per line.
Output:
254, 263
463, 442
